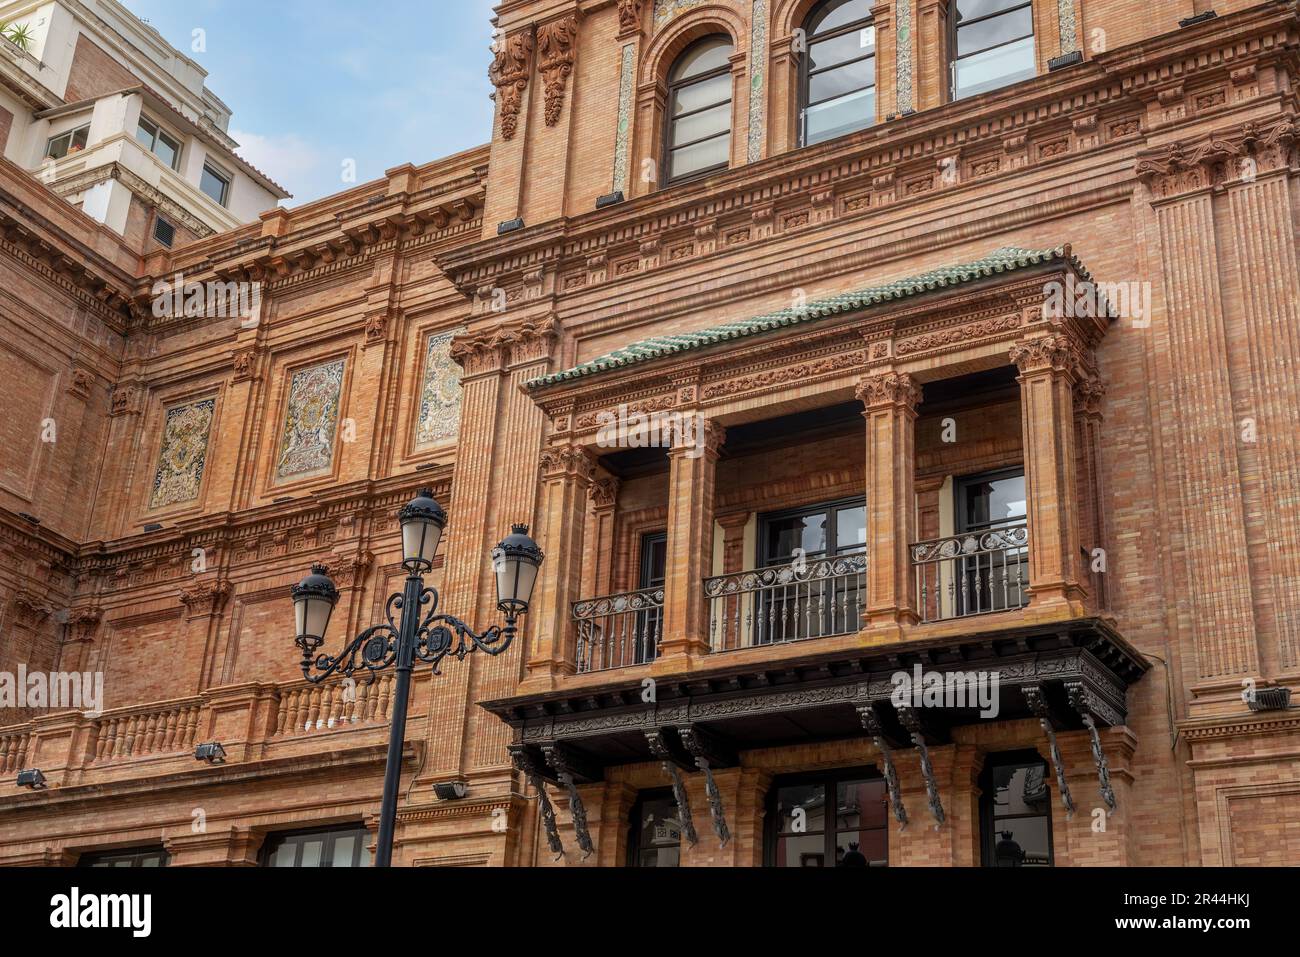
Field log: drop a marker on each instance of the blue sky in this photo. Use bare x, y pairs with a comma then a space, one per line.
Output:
313, 83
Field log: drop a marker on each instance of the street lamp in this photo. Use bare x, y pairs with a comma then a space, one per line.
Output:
422, 633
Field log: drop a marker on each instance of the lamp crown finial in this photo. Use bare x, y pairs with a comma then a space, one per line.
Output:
319, 568
425, 492
519, 528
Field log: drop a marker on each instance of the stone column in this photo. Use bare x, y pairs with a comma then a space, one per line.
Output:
891, 399
1089, 392
598, 567
1047, 366
692, 474
566, 476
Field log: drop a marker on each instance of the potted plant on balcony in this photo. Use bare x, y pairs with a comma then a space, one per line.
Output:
19, 34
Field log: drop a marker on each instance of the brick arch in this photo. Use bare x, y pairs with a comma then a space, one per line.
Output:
702, 21
789, 15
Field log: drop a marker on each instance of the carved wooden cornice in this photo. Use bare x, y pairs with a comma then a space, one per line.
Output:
1238, 153
556, 47
509, 74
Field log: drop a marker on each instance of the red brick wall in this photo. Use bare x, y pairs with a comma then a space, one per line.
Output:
94, 73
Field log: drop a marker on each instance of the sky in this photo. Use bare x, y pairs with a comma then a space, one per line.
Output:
313, 84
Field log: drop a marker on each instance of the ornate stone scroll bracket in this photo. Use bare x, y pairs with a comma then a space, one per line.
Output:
567, 767
509, 74
1038, 705
911, 722
673, 760
709, 752
871, 724
1082, 702
531, 770
556, 47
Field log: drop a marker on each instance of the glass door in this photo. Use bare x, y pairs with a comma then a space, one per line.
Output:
996, 576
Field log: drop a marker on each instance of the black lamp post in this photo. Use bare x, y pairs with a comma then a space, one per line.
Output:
422, 633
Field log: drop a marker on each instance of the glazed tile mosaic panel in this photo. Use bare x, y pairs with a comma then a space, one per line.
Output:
182, 453
311, 421
439, 418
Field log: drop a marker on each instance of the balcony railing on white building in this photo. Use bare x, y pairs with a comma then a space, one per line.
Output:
619, 630
972, 574
815, 598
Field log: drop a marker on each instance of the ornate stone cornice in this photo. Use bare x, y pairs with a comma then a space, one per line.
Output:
556, 47
897, 389
152, 196
1236, 153
509, 74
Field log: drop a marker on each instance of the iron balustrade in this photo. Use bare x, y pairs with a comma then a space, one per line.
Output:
812, 598
618, 630
972, 574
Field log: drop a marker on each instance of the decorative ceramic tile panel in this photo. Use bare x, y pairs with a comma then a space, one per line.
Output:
758, 76
1069, 28
625, 83
440, 397
182, 454
903, 46
311, 421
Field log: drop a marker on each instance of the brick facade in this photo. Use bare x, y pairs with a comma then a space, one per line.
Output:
199, 464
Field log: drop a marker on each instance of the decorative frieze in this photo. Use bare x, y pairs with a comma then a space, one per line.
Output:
182, 453
311, 419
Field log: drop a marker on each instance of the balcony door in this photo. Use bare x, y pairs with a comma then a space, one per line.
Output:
653, 573
995, 576
805, 603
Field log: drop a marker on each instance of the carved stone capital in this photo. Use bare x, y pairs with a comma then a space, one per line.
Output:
896, 389
629, 17
1045, 353
244, 362
83, 624
351, 569
604, 491
489, 350
205, 597
1089, 393
127, 400
568, 461
1238, 153
704, 437
28, 608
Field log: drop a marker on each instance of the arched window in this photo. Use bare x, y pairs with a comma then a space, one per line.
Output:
839, 71
994, 44
699, 110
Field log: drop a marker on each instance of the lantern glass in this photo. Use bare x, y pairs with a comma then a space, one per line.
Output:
422, 523
314, 599
516, 562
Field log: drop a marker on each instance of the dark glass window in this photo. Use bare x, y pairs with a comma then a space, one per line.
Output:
993, 43
1016, 808
73, 141
839, 71
699, 110
795, 610
333, 847
159, 142
131, 857
832, 819
215, 184
655, 839
993, 579
654, 569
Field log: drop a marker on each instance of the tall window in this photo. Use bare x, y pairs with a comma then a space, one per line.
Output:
997, 578
655, 839
333, 847
832, 819
159, 142
839, 71
1016, 808
699, 110
994, 44
132, 857
653, 574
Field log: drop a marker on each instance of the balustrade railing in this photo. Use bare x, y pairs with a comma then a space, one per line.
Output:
335, 704
13, 751
618, 630
972, 574
161, 730
813, 598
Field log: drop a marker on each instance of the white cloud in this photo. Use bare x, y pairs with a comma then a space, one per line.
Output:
288, 159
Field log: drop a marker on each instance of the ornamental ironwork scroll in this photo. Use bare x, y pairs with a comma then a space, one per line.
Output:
1081, 701
912, 722
871, 723
1038, 705
706, 753
660, 749
524, 762
559, 761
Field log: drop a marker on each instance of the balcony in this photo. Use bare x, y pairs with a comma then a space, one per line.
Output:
972, 574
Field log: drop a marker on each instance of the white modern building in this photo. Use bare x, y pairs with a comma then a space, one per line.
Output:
101, 108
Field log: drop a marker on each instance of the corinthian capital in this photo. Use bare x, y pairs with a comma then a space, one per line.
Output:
889, 389
1044, 353
572, 461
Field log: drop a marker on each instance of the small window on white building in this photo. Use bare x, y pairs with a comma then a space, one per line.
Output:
164, 232
159, 142
73, 141
215, 183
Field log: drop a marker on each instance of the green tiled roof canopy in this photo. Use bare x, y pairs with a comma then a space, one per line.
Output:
1006, 259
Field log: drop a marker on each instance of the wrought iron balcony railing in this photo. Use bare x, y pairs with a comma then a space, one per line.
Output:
814, 598
619, 630
972, 574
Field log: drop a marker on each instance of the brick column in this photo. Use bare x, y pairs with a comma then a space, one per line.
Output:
891, 399
1047, 414
1094, 837
566, 476
1089, 392
598, 566
692, 473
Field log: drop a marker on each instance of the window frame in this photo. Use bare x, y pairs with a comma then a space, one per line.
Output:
218, 173
831, 508
666, 134
275, 840
159, 132
97, 859
633, 858
806, 74
71, 135
1011, 759
954, 26
830, 779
